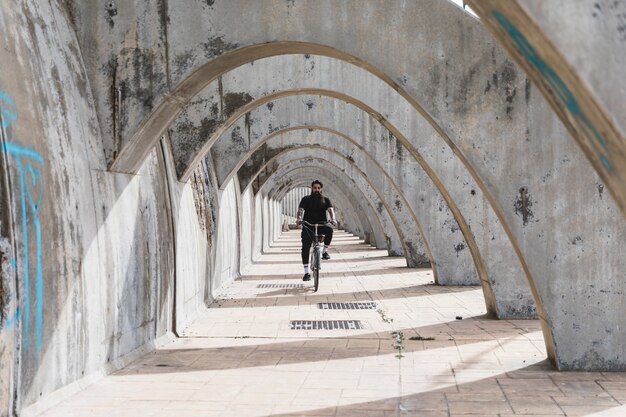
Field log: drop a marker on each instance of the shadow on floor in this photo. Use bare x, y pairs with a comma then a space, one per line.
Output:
449, 334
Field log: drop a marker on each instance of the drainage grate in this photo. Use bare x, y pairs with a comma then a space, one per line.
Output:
280, 286
364, 305
325, 324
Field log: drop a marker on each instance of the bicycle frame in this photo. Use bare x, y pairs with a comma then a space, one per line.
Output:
316, 256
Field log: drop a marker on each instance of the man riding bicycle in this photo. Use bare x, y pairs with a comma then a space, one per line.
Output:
314, 208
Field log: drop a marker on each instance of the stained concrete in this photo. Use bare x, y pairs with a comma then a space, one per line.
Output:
572, 50
99, 264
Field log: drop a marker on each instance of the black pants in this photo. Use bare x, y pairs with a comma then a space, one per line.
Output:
307, 240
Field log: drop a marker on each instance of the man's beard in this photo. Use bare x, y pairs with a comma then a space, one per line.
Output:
318, 200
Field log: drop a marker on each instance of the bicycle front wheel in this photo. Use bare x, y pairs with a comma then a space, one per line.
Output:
317, 259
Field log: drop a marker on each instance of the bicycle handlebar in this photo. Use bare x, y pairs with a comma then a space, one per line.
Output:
327, 223
304, 222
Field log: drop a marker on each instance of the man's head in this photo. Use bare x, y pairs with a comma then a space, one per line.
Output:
316, 194
316, 187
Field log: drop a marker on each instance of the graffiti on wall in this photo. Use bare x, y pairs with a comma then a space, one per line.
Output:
559, 87
30, 190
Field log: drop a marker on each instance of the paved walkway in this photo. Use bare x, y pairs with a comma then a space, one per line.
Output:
241, 358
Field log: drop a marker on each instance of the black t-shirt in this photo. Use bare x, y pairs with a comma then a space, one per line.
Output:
311, 214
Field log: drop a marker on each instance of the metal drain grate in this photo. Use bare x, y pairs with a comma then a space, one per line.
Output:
364, 305
325, 324
280, 286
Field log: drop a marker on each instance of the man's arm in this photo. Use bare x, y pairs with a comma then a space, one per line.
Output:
333, 220
299, 216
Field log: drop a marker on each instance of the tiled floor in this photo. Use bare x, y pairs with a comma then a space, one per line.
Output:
240, 358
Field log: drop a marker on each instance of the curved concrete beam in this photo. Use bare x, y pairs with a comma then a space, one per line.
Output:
547, 41
237, 144
416, 255
443, 240
375, 210
358, 225
417, 250
350, 80
555, 220
233, 143
388, 214
349, 222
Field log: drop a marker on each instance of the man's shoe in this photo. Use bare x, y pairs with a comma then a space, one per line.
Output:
306, 277
325, 256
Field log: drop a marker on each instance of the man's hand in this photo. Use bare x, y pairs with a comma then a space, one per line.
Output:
299, 216
333, 222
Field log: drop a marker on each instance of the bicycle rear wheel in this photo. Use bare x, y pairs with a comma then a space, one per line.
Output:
316, 268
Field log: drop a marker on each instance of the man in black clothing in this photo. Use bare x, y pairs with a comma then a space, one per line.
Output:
314, 208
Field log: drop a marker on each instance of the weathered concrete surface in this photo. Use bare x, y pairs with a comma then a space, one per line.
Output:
101, 258
9, 310
227, 253
575, 52
95, 254
77, 256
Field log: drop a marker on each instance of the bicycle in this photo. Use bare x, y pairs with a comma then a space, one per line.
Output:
316, 255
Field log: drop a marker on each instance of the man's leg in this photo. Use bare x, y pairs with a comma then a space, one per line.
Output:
328, 237
306, 249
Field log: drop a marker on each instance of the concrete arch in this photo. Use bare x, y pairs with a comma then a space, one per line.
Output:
400, 220
464, 81
366, 226
346, 210
502, 270
416, 255
134, 151
369, 201
514, 269
538, 240
449, 267
443, 240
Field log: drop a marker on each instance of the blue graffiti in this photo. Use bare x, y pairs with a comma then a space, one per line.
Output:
559, 88
8, 111
8, 323
31, 190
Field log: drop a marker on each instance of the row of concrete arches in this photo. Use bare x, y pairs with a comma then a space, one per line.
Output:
483, 145
268, 110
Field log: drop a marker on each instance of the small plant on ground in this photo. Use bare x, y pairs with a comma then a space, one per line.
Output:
398, 343
421, 338
383, 316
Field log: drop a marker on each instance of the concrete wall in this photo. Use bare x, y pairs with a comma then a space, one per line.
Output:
227, 246
95, 265
247, 220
